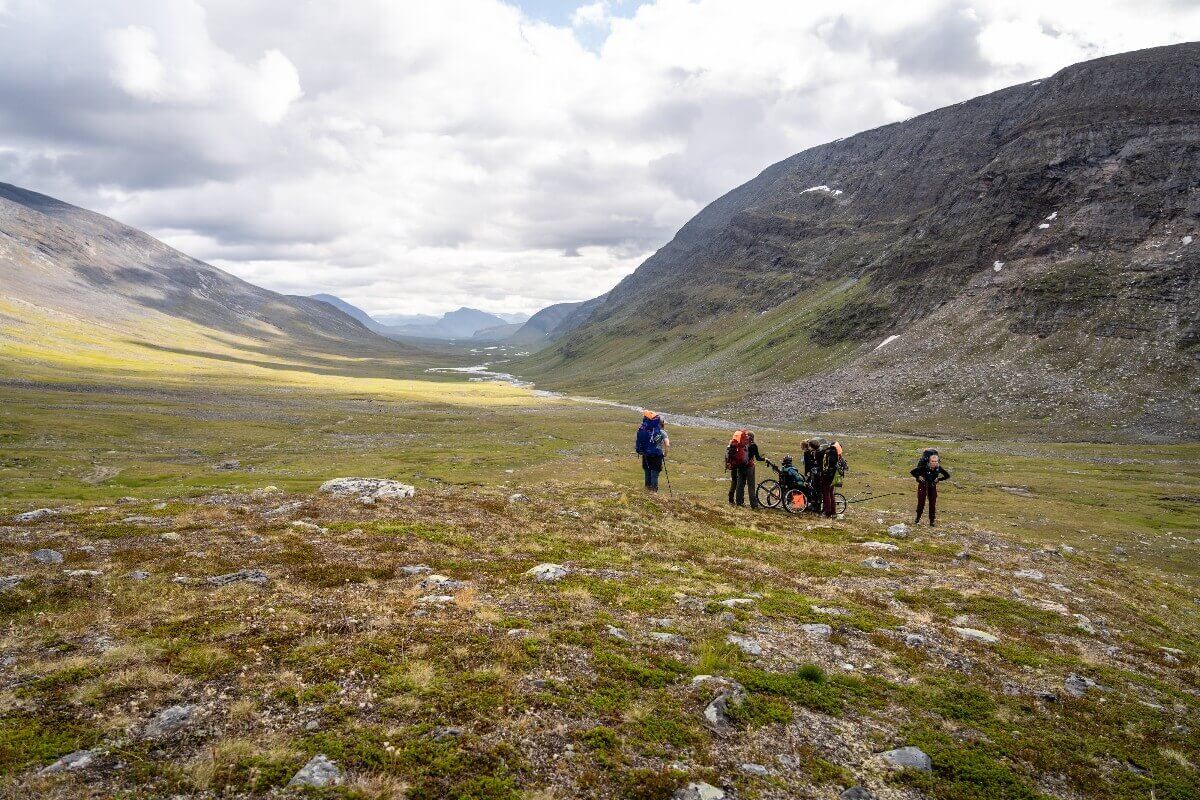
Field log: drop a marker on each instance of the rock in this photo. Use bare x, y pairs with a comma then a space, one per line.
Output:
1119, 551
286, 508
379, 488
441, 582
169, 537
1058, 587
736, 602
47, 556
661, 622
80, 759
914, 640
10, 582
415, 569
788, 760
170, 721
517, 498
82, 573
974, 635
242, 575
548, 573
817, 630
832, 611
311, 527
139, 575
617, 633
228, 464
442, 733
698, 790
366, 500
318, 772
744, 643
908, 758
435, 599
35, 515
517, 633
312, 725
1078, 685
754, 769
671, 639
1030, 574
727, 618
898, 531
856, 793
887, 546
875, 562
716, 713
141, 519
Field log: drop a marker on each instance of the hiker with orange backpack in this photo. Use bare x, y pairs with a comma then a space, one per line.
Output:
739, 460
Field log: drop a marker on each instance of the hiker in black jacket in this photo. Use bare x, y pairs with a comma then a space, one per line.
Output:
928, 477
753, 455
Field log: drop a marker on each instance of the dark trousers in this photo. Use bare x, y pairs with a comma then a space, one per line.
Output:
651, 466
828, 507
927, 490
741, 480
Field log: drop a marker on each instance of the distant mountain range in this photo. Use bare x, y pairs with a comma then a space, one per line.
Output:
462, 323
1027, 261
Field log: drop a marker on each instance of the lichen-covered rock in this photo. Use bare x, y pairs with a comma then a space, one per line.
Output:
47, 556
548, 573
170, 721
80, 759
318, 772
378, 488
908, 758
699, 790
974, 635
35, 515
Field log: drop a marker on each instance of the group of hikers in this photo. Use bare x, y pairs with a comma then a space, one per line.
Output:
811, 486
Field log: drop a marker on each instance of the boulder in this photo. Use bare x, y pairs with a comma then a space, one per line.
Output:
908, 758
856, 793
139, 575
80, 759
415, 569
699, 790
170, 721
379, 488
617, 633
670, 639
875, 562
744, 643
47, 556
35, 515
10, 582
1078, 685
441, 583
318, 772
751, 768
241, 576
716, 713
817, 630
974, 635
1030, 574
898, 531
548, 573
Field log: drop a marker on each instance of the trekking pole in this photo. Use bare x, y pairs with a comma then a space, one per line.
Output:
667, 475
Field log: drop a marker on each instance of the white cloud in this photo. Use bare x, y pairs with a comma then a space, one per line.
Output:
414, 157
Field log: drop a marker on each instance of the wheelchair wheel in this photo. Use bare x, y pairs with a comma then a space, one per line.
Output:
839, 503
795, 501
768, 494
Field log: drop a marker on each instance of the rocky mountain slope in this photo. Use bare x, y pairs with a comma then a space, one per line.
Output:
554, 322
66, 264
1029, 257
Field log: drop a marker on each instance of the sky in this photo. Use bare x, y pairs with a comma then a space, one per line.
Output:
414, 157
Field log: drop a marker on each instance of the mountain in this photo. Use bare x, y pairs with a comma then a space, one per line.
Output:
554, 322
395, 320
1025, 261
461, 323
71, 279
352, 310
514, 319
497, 333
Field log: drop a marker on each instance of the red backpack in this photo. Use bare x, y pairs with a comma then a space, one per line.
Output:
738, 452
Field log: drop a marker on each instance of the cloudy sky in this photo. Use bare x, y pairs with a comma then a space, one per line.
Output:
415, 156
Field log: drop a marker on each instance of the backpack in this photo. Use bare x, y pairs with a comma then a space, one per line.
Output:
646, 443
833, 453
738, 452
923, 461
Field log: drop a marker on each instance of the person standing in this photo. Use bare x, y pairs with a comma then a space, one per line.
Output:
752, 455
737, 461
827, 467
928, 476
651, 444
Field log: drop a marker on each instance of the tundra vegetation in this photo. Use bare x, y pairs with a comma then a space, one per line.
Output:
333, 634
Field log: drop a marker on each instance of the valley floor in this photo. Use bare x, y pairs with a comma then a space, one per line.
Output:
1078, 562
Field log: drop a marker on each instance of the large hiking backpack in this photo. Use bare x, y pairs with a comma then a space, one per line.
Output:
645, 444
839, 465
738, 452
923, 461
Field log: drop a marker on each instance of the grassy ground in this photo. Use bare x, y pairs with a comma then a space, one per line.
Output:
520, 689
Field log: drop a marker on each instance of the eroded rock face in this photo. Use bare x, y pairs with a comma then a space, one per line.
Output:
378, 488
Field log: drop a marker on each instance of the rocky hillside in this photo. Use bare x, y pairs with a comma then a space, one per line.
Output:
1028, 256
66, 263
554, 322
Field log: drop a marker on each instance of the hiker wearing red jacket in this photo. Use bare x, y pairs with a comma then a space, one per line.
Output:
740, 465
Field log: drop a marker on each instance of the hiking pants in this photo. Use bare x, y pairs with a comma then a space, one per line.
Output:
828, 507
651, 466
927, 490
738, 478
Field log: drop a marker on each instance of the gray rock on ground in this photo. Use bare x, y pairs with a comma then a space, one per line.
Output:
80, 759
975, 635
699, 790
378, 488
10, 582
856, 793
716, 713
751, 768
744, 643
35, 515
170, 721
441, 583
817, 630
875, 562
47, 556
898, 531
139, 575
241, 576
670, 639
548, 573
318, 772
908, 758
1078, 685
